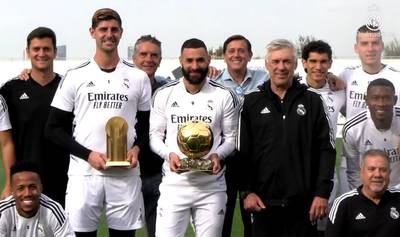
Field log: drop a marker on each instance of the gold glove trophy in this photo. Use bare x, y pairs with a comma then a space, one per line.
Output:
116, 131
195, 140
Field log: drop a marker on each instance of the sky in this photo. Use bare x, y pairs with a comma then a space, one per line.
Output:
174, 21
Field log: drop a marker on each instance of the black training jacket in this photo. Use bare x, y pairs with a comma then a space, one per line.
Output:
287, 149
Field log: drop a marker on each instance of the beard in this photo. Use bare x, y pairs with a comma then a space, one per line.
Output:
195, 80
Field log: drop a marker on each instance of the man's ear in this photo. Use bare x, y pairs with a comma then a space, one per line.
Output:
91, 31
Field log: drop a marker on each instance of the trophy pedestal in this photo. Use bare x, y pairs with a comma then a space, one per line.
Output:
117, 163
188, 164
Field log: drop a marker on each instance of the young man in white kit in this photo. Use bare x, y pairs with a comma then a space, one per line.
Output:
369, 47
28, 212
103, 87
375, 128
192, 194
317, 60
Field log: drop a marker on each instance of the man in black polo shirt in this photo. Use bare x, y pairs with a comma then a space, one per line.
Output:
28, 106
372, 209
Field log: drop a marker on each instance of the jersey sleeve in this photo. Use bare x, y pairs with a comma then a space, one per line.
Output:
145, 97
158, 126
336, 220
229, 126
344, 75
342, 105
352, 156
64, 97
64, 231
4, 118
58, 220
5, 230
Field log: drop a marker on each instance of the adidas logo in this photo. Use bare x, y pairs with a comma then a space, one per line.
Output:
265, 111
360, 216
24, 96
354, 83
90, 84
368, 143
221, 212
175, 104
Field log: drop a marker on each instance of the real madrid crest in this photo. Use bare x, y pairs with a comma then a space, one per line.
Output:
210, 105
394, 214
374, 19
301, 110
126, 83
40, 228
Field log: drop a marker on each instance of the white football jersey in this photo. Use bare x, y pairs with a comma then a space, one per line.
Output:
49, 221
95, 96
4, 118
173, 106
335, 102
357, 81
360, 135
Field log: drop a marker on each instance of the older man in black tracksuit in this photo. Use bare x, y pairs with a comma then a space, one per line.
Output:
288, 150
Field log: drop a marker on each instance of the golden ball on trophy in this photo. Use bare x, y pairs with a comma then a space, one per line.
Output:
195, 140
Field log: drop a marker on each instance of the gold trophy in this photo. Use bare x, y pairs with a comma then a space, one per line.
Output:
195, 140
116, 131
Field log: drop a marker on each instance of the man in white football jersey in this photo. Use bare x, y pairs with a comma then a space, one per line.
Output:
317, 60
103, 87
197, 194
369, 47
375, 128
28, 212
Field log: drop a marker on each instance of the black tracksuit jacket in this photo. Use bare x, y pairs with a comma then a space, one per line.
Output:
287, 149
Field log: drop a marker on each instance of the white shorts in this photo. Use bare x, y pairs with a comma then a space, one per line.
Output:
176, 206
120, 198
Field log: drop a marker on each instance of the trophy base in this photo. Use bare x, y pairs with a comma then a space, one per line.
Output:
195, 165
117, 163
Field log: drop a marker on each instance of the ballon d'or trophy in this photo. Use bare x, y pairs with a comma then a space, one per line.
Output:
116, 131
195, 140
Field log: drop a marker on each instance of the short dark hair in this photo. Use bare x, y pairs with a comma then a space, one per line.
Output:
146, 38
316, 46
368, 29
236, 37
105, 14
22, 166
381, 82
193, 44
375, 152
40, 33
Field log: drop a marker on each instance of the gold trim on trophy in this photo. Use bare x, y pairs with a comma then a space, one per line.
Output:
116, 132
